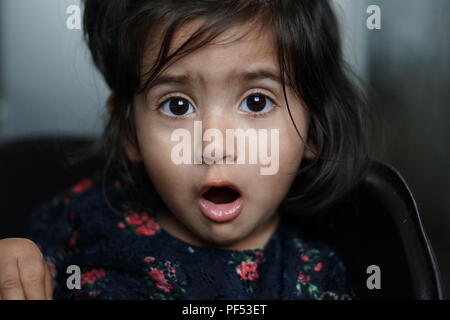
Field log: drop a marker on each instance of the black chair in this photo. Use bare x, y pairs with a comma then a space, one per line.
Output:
32, 171
378, 224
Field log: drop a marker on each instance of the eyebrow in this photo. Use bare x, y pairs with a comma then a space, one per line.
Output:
242, 77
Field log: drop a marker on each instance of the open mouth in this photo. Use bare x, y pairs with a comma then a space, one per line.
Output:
221, 195
221, 203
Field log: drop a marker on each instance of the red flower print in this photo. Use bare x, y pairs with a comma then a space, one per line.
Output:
318, 266
248, 270
121, 225
167, 287
117, 185
149, 227
133, 218
149, 259
82, 186
66, 200
145, 231
170, 269
304, 257
144, 224
161, 281
92, 276
304, 278
157, 275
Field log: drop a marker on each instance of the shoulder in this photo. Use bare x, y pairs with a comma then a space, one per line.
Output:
320, 273
55, 220
87, 194
90, 193
56, 225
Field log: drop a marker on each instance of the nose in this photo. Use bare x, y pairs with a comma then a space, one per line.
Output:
223, 158
216, 147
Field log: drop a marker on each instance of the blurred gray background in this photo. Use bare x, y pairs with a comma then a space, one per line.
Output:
49, 87
47, 84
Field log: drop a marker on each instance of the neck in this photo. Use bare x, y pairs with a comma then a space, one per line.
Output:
255, 240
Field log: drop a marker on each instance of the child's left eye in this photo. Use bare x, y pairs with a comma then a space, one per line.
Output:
257, 103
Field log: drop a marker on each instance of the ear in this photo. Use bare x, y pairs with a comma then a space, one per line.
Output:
310, 152
133, 154
110, 103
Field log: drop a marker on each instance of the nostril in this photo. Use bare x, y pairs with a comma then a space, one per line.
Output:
221, 195
225, 158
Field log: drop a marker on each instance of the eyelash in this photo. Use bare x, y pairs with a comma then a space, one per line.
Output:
158, 106
265, 114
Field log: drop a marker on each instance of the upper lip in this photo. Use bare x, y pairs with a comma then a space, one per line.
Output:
218, 184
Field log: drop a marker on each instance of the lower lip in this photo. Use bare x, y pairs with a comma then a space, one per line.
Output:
221, 212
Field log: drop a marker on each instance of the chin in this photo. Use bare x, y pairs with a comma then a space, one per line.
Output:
225, 237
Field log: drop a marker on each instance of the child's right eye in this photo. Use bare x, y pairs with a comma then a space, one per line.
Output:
177, 107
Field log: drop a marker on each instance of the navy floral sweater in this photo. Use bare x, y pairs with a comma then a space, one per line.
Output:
124, 253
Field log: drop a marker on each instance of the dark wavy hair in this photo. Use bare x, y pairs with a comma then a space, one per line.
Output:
310, 60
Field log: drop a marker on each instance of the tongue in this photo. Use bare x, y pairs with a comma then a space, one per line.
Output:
221, 195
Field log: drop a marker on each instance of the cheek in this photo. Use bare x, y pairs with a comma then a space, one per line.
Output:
156, 147
269, 191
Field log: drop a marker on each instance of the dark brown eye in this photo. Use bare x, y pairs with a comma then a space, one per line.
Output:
257, 103
177, 107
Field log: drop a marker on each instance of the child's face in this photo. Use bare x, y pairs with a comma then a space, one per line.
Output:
216, 95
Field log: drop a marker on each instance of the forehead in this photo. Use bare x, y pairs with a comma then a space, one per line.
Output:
244, 46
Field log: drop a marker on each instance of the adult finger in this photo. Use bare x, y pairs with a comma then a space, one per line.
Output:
32, 276
49, 284
10, 284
